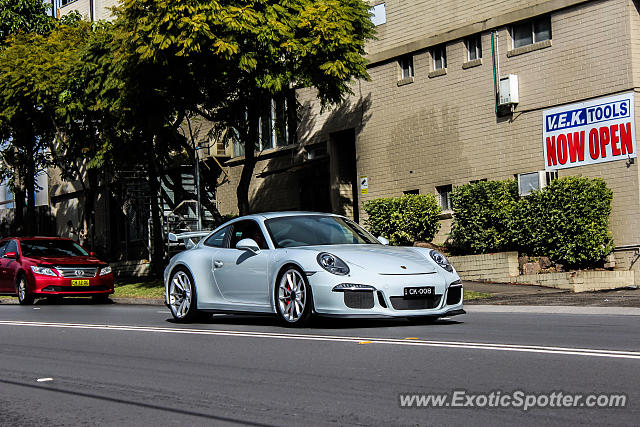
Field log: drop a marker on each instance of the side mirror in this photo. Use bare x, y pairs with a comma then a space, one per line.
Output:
12, 255
383, 241
248, 245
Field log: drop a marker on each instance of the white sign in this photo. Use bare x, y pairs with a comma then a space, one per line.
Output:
364, 185
601, 130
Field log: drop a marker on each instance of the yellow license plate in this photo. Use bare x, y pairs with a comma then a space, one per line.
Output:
80, 283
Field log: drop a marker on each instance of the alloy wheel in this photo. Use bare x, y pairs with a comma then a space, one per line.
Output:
292, 295
180, 294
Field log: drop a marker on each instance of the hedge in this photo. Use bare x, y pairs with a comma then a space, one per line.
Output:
404, 220
483, 214
568, 221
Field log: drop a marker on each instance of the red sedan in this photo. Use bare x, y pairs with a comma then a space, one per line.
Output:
32, 267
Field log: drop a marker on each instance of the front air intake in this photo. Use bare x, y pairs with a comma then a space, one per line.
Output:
358, 299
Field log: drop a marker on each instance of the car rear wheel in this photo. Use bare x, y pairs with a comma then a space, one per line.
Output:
293, 298
182, 297
24, 296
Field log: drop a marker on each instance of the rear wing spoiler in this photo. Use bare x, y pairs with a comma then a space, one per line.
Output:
188, 238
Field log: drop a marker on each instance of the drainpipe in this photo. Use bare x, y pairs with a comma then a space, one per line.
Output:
495, 78
92, 10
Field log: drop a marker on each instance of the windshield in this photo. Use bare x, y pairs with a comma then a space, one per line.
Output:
312, 230
52, 248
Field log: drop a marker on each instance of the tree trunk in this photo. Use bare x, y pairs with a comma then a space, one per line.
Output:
250, 140
157, 242
30, 189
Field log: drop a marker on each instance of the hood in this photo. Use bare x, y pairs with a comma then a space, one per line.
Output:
386, 260
75, 260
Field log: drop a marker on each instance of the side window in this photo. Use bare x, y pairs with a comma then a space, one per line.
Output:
3, 247
247, 229
216, 240
12, 246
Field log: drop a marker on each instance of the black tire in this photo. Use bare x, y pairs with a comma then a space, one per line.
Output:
22, 289
285, 308
182, 289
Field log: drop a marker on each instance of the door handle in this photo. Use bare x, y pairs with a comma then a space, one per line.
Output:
218, 264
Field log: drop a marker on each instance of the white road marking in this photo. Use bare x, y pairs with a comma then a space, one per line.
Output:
44, 380
616, 354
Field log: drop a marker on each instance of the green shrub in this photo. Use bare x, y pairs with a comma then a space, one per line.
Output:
568, 221
404, 220
482, 221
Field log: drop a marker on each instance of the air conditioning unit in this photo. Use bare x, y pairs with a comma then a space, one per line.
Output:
509, 90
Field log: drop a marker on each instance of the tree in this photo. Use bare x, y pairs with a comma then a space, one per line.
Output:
34, 70
229, 58
26, 16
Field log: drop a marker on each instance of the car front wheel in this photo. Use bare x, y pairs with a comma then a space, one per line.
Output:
293, 298
24, 296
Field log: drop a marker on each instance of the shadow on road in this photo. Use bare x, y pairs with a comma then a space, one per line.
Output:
322, 322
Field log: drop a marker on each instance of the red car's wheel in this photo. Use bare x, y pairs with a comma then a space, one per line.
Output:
24, 296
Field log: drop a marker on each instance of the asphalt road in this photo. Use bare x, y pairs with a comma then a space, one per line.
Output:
130, 365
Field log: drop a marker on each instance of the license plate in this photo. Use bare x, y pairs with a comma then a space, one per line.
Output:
419, 292
83, 282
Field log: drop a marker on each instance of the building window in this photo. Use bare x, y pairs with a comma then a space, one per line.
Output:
379, 14
529, 32
439, 54
6, 196
411, 192
444, 197
534, 181
406, 67
474, 47
66, 2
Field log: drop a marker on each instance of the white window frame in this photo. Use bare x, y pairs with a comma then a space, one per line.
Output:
444, 197
477, 48
531, 23
407, 69
379, 14
439, 53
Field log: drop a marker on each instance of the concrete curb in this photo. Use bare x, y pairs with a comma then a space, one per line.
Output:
552, 309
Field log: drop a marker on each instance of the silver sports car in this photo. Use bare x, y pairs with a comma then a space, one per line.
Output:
297, 264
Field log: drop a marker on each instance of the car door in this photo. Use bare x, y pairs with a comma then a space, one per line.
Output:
3, 267
10, 267
241, 275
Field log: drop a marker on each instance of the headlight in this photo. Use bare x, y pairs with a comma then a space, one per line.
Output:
333, 264
45, 271
105, 270
441, 260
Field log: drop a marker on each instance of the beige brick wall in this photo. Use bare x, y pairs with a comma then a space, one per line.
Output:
581, 281
497, 267
443, 130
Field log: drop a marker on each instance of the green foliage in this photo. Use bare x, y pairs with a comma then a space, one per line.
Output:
567, 221
24, 16
404, 220
483, 213
34, 70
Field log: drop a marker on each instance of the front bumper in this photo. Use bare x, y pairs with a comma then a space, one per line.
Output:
386, 298
48, 285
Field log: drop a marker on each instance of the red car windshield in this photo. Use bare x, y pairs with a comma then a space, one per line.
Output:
51, 248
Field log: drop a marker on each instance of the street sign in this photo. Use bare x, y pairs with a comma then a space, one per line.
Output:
364, 185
